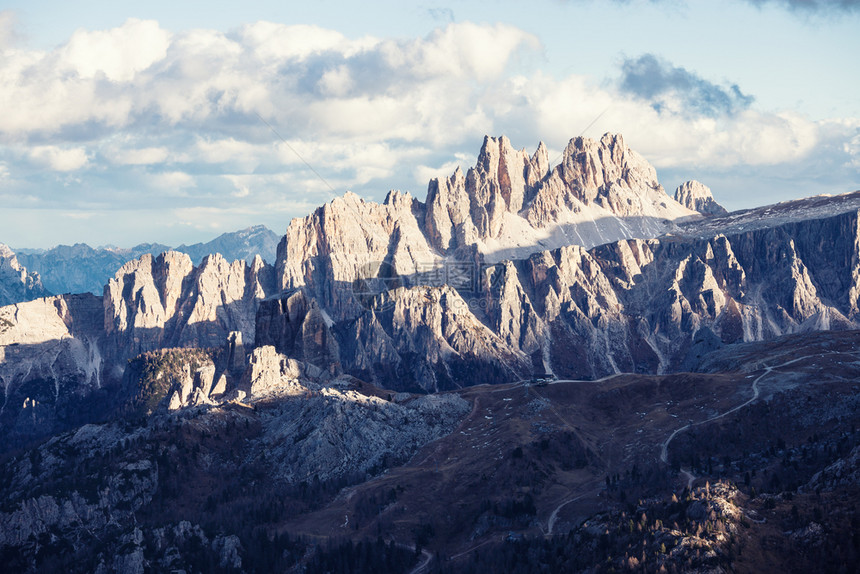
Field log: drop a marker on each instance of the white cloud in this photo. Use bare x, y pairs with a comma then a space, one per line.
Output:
852, 149
8, 35
424, 173
172, 180
229, 150
79, 214
59, 159
336, 82
277, 42
139, 156
559, 110
119, 53
476, 51
174, 115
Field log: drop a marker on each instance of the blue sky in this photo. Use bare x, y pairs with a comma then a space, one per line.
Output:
126, 123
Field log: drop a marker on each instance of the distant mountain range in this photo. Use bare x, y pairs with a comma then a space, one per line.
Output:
80, 268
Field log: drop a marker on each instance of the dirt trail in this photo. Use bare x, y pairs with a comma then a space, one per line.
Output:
664, 451
550, 524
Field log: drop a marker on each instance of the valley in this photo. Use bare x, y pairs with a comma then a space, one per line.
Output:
512, 443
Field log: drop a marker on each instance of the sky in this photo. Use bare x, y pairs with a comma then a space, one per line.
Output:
173, 122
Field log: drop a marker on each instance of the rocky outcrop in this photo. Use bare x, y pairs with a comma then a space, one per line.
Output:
95, 482
637, 305
293, 324
270, 373
365, 283
50, 365
77, 510
843, 472
340, 432
386, 292
164, 301
466, 209
428, 338
697, 196
629, 306
605, 173
349, 239
63, 359
17, 284
418, 338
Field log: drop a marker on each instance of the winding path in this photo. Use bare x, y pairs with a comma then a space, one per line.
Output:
690, 478
550, 524
664, 451
422, 567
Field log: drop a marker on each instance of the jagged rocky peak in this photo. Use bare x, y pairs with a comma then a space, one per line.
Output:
592, 167
464, 209
16, 283
697, 196
508, 206
156, 302
504, 171
510, 203
603, 174
343, 239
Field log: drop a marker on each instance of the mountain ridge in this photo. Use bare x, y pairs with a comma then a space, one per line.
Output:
80, 268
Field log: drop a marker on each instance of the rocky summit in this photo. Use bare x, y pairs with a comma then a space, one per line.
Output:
553, 366
697, 196
16, 282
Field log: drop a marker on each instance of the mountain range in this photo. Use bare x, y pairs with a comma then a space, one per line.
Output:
529, 361
80, 268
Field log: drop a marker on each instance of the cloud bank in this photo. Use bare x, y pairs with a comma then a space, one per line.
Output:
137, 120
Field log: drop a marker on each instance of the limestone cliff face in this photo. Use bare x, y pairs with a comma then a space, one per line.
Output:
601, 192
419, 338
50, 363
428, 338
697, 196
62, 358
350, 238
389, 292
509, 205
586, 289
164, 301
80, 268
629, 306
294, 324
17, 284
606, 173
465, 209
642, 305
